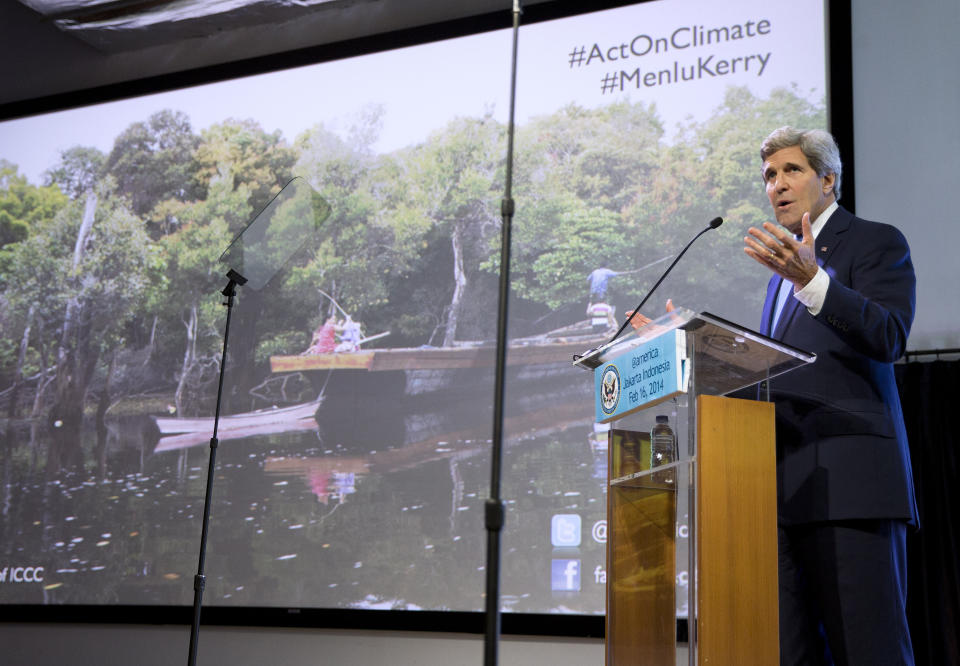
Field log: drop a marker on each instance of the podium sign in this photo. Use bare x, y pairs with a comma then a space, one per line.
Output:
642, 376
691, 491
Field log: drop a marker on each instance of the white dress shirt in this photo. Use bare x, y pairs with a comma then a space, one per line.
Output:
815, 293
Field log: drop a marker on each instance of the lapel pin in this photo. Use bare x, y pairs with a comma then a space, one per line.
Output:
823, 248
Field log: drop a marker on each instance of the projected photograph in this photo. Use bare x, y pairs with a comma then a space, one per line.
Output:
357, 408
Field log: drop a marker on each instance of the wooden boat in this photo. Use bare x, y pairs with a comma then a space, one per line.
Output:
555, 347
189, 439
169, 425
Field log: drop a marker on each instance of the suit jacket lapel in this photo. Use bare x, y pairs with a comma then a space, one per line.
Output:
829, 237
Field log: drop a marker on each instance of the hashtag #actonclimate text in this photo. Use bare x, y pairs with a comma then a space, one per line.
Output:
682, 38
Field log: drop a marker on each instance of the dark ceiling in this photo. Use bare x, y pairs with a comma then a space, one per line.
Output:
111, 42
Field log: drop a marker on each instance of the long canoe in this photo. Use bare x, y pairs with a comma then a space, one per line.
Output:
169, 425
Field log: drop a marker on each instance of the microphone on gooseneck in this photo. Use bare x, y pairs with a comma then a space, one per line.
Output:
714, 223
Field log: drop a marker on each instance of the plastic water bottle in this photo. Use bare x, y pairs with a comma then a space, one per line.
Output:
663, 443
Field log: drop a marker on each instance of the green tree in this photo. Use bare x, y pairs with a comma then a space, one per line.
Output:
241, 153
79, 278
351, 257
104, 288
446, 212
24, 210
78, 171
713, 168
153, 161
240, 167
194, 277
23, 206
580, 173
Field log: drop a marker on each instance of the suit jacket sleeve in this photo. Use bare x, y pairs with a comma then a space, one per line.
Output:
871, 308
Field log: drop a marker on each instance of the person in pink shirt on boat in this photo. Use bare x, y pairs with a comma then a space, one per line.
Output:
324, 338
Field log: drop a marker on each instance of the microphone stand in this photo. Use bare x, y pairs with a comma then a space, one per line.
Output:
493, 509
714, 223
592, 363
199, 580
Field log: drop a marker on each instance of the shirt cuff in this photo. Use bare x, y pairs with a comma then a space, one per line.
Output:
815, 293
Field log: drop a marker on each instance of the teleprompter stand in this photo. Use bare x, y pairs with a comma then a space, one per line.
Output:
254, 257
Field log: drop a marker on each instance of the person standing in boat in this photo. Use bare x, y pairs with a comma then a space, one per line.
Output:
602, 317
601, 314
324, 338
350, 337
599, 278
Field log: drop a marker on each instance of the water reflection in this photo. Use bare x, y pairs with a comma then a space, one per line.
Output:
344, 510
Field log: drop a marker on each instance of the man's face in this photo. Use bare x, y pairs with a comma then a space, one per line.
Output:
794, 188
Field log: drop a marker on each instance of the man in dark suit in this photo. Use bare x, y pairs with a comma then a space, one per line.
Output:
842, 287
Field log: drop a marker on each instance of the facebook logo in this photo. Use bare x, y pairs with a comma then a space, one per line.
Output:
565, 530
565, 575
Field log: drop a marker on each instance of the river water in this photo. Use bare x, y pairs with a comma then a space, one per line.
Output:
378, 504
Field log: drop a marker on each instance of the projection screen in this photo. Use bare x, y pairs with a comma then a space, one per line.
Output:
360, 378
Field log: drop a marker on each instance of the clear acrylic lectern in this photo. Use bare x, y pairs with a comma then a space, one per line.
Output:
691, 525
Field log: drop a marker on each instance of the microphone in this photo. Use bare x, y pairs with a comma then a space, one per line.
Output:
714, 223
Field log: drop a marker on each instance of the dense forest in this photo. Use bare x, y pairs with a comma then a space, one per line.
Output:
109, 270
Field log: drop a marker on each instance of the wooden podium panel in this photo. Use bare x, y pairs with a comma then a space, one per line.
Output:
731, 481
737, 525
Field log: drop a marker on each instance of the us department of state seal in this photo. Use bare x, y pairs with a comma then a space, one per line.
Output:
610, 389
